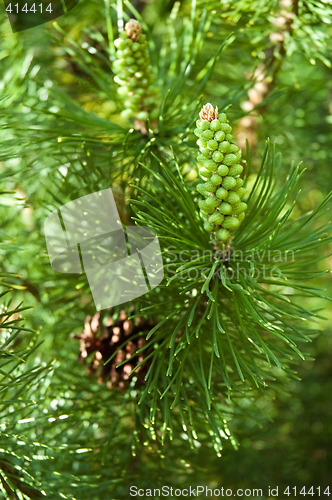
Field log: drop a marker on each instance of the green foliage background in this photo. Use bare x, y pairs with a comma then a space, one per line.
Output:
63, 435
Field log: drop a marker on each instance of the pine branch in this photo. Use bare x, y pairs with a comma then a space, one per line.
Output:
239, 326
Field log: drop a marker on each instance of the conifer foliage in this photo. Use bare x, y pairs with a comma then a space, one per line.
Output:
151, 99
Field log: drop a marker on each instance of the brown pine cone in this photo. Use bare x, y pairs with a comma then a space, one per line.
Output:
114, 334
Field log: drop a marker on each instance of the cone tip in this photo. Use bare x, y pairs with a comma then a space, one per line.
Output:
208, 112
133, 29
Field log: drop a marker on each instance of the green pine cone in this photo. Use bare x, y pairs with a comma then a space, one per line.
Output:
135, 77
222, 207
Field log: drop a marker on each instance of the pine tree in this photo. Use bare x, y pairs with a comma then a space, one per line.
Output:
156, 101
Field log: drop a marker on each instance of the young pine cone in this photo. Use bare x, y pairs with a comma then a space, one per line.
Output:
135, 76
222, 207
